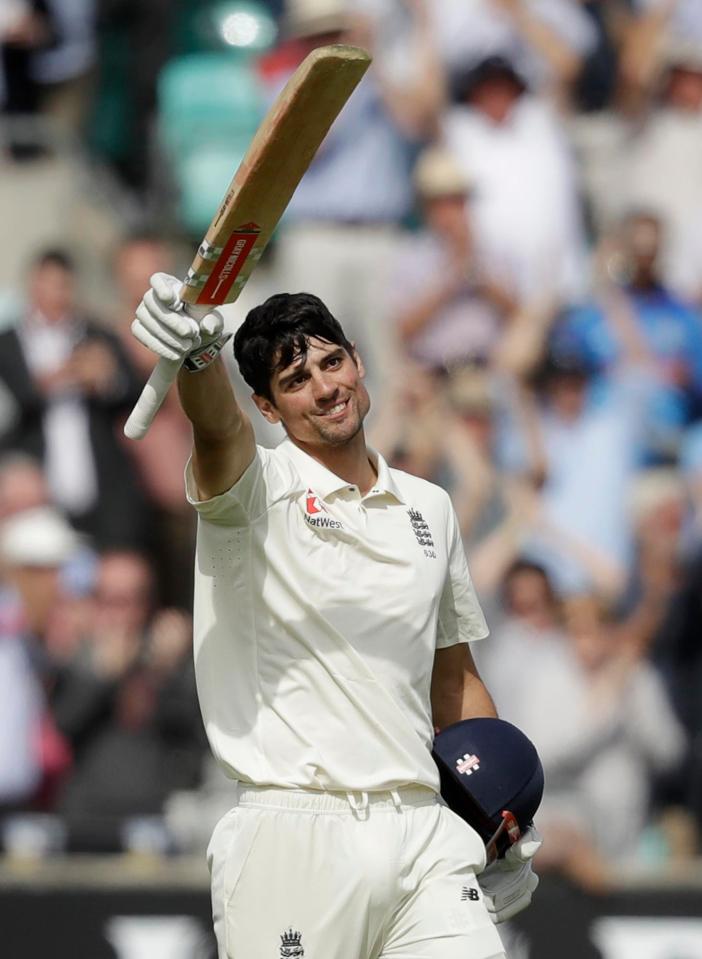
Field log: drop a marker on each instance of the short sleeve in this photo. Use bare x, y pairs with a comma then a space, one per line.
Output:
461, 619
265, 481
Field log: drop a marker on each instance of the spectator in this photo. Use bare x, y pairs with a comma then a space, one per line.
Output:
343, 223
525, 214
63, 69
23, 490
664, 601
658, 25
596, 87
615, 729
25, 27
590, 445
482, 495
127, 704
35, 543
160, 457
669, 329
448, 311
21, 710
527, 619
22, 484
135, 41
546, 39
70, 383
691, 468
661, 165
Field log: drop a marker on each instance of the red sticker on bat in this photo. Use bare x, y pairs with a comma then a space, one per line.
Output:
229, 264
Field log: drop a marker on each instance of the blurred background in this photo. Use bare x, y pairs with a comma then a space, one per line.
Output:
507, 220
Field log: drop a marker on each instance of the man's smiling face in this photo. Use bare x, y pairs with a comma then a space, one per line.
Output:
320, 398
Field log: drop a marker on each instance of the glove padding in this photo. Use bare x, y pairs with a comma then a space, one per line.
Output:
165, 328
508, 883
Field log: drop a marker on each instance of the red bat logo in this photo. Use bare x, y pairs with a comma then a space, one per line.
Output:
230, 263
313, 505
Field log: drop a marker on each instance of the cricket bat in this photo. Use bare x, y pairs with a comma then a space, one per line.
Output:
279, 154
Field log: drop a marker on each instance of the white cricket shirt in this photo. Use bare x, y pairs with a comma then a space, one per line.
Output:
317, 614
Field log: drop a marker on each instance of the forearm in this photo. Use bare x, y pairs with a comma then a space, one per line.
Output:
472, 469
477, 701
492, 557
223, 438
457, 690
207, 398
421, 313
416, 106
643, 46
467, 701
563, 61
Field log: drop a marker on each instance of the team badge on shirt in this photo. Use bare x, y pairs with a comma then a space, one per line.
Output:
312, 504
291, 945
421, 530
315, 510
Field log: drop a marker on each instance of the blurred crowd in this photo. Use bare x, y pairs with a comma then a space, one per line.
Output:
506, 220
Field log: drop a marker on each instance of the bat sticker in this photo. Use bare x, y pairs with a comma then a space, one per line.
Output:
229, 265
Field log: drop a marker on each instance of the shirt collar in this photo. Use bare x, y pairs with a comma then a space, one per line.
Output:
316, 476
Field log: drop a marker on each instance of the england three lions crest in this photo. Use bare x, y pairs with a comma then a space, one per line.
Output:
291, 945
421, 530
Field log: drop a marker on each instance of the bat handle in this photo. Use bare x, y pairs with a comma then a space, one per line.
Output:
157, 386
152, 396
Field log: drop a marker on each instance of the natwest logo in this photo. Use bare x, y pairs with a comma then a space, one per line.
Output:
312, 504
316, 513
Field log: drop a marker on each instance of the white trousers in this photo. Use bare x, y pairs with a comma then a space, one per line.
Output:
348, 876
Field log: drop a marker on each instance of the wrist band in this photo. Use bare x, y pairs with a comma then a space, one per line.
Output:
201, 358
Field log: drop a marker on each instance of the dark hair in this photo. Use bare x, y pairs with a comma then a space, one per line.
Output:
54, 257
276, 332
524, 565
141, 234
467, 81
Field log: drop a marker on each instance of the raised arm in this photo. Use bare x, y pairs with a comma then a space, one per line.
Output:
415, 104
223, 438
563, 60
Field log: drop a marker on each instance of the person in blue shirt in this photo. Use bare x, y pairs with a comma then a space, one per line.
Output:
670, 331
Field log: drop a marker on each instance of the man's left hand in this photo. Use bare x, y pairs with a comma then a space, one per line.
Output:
508, 883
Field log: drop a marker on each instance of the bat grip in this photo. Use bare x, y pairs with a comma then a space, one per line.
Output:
152, 396
157, 386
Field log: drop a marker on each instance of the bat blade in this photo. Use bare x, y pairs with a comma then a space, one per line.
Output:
280, 153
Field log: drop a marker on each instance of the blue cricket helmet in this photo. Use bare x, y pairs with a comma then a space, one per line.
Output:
491, 776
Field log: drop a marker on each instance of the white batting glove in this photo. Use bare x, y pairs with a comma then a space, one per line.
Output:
165, 328
508, 883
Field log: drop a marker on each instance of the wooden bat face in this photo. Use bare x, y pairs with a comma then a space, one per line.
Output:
276, 161
280, 152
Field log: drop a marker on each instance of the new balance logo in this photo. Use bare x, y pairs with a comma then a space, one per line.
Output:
467, 892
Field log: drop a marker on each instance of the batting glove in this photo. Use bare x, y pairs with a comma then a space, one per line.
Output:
508, 883
164, 327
